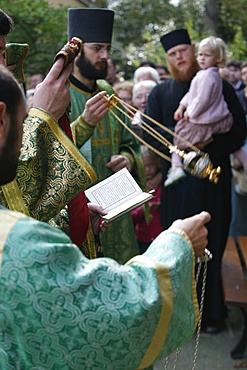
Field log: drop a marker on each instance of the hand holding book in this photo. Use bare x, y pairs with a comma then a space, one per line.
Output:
118, 194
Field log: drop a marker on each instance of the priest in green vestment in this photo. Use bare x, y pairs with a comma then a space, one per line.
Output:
104, 142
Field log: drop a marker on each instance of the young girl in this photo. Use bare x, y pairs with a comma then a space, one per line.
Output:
203, 111
145, 233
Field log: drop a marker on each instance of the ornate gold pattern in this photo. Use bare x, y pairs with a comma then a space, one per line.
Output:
51, 172
13, 197
70, 50
51, 169
16, 54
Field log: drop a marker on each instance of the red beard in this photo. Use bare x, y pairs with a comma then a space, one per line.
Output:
184, 75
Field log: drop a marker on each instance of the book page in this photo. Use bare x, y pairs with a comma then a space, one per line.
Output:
113, 191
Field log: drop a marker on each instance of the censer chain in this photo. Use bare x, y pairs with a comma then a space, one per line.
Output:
196, 162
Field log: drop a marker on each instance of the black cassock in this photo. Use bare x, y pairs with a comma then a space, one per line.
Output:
193, 195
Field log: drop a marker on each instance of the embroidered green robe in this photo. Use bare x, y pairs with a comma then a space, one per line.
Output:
60, 310
98, 144
51, 172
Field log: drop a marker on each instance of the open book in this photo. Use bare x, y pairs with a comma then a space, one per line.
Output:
117, 194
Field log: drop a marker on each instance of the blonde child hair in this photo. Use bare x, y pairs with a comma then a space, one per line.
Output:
219, 47
146, 152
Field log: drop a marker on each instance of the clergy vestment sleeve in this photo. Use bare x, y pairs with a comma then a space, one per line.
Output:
81, 131
51, 170
60, 310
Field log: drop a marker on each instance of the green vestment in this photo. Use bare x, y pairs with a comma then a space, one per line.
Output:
98, 144
62, 311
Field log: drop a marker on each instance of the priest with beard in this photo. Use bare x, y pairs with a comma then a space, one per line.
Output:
194, 194
103, 141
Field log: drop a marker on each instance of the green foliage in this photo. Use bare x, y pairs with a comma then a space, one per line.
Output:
40, 25
239, 45
232, 19
137, 28
139, 25
133, 19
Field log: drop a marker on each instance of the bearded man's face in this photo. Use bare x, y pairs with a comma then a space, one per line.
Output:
182, 62
91, 65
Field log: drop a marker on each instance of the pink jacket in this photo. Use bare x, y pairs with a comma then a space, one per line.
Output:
204, 101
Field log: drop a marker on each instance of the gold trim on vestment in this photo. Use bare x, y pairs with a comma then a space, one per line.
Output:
194, 293
64, 139
14, 198
40, 189
166, 291
89, 94
88, 246
18, 196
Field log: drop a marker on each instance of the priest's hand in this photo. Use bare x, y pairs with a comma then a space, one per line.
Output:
118, 162
195, 229
52, 94
98, 224
95, 109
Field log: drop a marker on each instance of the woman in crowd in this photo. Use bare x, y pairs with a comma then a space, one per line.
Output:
141, 91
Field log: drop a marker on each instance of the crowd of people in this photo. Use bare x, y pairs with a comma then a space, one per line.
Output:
75, 290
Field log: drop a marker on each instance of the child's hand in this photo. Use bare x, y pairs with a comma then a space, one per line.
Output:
179, 113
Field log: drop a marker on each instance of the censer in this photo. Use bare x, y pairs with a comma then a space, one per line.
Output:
195, 161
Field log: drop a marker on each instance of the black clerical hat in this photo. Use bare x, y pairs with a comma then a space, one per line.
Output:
174, 38
90, 24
